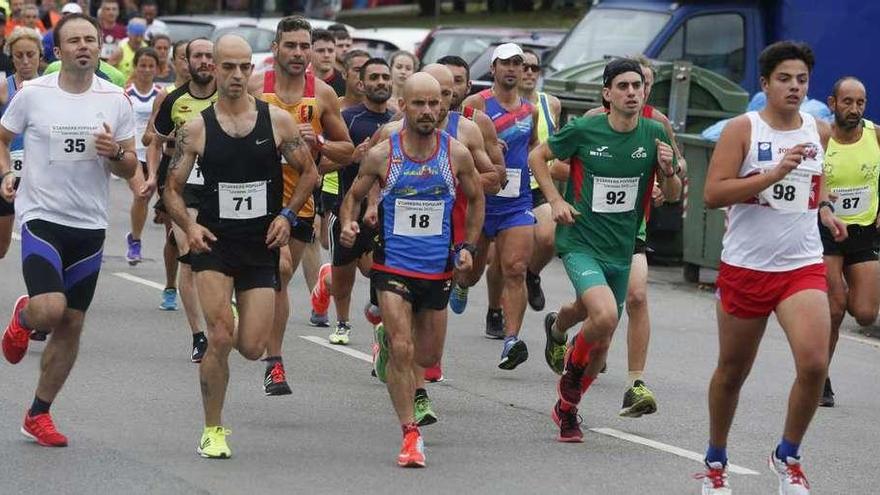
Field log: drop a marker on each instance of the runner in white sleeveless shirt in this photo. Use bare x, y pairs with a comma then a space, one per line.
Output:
767, 168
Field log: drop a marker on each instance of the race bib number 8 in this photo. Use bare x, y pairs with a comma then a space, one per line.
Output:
852, 200
242, 201
72, 142
418, 218
615, 194
17, 161
514, 180
791, 193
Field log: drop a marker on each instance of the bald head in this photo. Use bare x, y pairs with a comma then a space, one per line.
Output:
231, 45
421, 103
232, 65
847, 101
445, 78
441, 73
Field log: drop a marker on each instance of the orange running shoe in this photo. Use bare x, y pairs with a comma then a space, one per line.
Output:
41, 429
412, 452
434, 374
16, 337
320, 294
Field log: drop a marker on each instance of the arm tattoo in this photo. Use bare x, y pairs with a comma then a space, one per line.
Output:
180, 142
292, 145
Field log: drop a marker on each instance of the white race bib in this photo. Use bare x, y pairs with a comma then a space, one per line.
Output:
791, 193
242, 201
195, 175
418, 218
511, 190
852, 200
615, 194
72, 142
16, 161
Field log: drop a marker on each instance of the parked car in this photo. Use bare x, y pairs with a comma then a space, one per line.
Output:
382, 42
542, 44
470, 42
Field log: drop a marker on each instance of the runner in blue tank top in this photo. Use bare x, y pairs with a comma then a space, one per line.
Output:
418, 170
509, 218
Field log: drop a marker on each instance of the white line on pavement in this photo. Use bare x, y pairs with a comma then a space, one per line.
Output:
862, 340
344, 350
687, 454
138, 280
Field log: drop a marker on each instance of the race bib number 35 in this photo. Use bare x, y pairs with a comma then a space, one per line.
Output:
242, 201
72, 142
791, 193
615, 194
418, 218
514, 181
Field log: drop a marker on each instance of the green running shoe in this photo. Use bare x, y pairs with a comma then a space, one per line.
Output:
380, 359
213, 443
425, 414
638, 401
554, 352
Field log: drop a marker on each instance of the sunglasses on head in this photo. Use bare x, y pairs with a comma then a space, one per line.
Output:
532, 67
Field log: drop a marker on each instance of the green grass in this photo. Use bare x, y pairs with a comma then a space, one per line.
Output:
564, 19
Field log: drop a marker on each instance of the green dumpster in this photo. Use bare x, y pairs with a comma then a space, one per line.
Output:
702, 228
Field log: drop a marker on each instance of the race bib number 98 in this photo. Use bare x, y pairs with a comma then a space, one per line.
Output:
791, 193
16, 159
418, 218
72, 142
615, 194
242, 201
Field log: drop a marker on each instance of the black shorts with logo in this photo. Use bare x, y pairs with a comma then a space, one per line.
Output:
861, 244
251, 264
304, 231
363, 243
422, 294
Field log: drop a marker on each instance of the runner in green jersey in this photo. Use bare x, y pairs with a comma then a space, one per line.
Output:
614, 161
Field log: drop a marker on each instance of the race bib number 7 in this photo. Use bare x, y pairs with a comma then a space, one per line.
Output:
242, 201
615, 194
418, 218
72, 142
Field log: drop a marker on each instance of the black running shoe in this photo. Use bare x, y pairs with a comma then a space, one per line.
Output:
275, 380
535, 292
827, 399
38, 335
200, 346
494, 324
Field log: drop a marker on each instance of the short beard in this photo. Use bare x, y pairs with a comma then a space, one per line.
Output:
201, 80
844, 124
378, 98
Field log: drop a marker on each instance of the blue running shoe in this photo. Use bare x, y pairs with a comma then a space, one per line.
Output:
513, 354
169, 300
458, 299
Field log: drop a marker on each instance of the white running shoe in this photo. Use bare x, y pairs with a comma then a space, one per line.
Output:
714, 479
792, 480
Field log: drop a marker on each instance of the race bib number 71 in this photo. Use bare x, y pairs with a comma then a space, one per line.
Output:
242, 201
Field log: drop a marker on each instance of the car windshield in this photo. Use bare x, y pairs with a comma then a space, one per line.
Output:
179, 31
608, 32
466, 46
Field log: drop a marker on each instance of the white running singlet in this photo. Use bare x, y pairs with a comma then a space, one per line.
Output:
778, 229
64, 181
143, 108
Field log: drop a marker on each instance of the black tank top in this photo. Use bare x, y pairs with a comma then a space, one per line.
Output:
243, 179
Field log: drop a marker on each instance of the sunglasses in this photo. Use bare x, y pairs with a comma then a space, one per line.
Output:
532, 67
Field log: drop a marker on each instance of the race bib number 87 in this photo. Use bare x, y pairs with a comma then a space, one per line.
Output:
418, 218
72, 142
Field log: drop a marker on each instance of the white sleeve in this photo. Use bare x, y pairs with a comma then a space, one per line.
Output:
124, 128
15, 116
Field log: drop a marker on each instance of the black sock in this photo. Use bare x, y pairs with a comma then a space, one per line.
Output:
420, 392
39, 406
271, 360
199, 337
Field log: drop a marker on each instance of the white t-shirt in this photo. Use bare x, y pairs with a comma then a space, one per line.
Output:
64, 181
143, 108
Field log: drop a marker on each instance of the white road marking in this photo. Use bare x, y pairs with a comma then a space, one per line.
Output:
138, 280
671, 449
338, 348
862, 340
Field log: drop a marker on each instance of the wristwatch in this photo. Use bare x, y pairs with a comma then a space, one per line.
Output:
119, 154
289, 216
466, 246
320, 140
828, 204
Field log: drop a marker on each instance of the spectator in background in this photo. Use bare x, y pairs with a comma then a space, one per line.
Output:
6, 67
24, 15
323, 59
48, 39
343, 45
150, 10
354, 94
123, 56
128, 10
403, 64
49, 14
165, 73
111, 30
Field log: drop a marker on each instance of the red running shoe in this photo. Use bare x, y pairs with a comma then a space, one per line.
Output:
372, 314
16, 337
320, 294
412, 452
434, 374
41, 429
570, 386
569, 424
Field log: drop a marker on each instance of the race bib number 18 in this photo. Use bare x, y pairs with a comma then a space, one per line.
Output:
615, 194
72, 142
242, 201
418, 218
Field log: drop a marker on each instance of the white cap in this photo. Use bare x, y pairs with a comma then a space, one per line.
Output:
71, 8
506, 51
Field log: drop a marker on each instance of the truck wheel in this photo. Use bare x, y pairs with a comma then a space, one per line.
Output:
691, 273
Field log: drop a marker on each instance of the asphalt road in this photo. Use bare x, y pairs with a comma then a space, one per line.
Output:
133, 414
